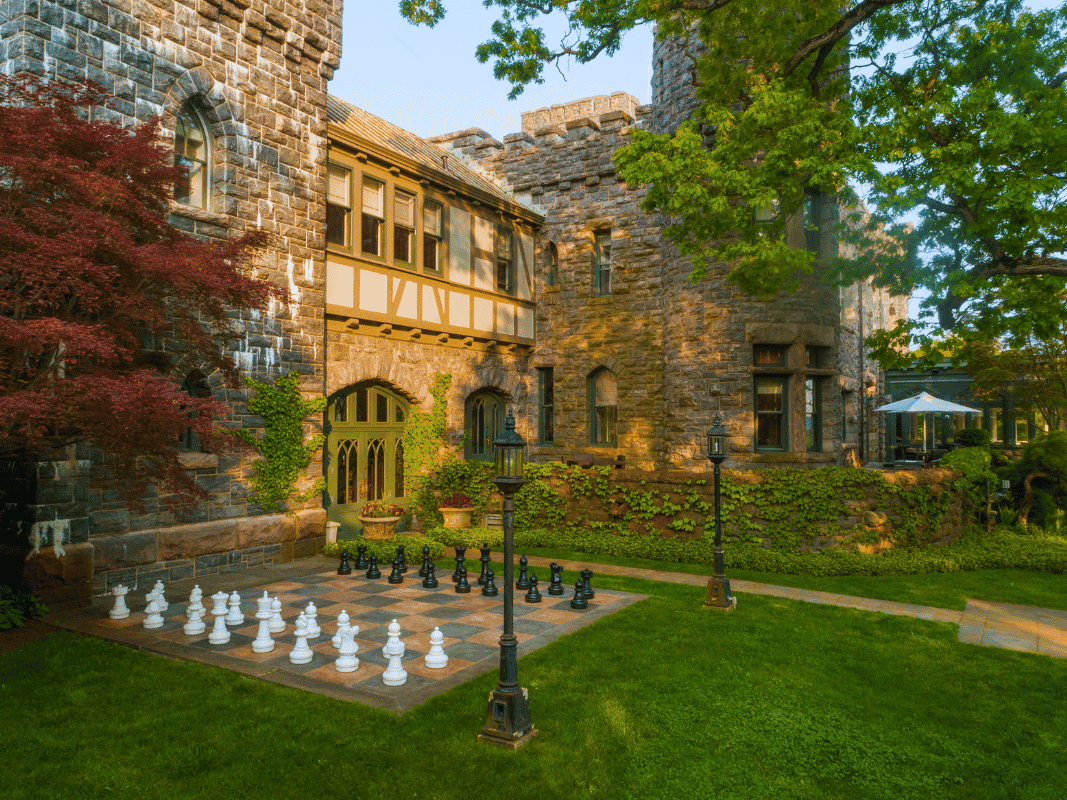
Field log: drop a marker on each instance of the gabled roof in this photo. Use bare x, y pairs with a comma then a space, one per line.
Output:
407, 149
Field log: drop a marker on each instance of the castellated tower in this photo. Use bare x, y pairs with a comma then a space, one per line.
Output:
243, 85
639, 358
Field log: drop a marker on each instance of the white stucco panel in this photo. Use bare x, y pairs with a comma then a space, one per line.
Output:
524, 278
484, 234
524, 322
459, 246
483, 314
340, 284
406, 296
459, 309
505, 318
430, 311
484, 277
372, 292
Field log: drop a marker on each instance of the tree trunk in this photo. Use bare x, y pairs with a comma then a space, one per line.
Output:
1028, 496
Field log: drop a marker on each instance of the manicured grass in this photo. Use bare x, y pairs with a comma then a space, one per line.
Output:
941, 590
664, 699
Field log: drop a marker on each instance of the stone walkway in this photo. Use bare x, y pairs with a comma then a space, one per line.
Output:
1027, 628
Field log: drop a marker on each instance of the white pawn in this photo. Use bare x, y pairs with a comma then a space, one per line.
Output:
154, 618
348, 661
276, 624
342, 623
263, 643
301, 654
121, 610
314, 631
234, 616
158, 589
219, 634
436, 658
194, 626
220, 604
196, 601
394, 675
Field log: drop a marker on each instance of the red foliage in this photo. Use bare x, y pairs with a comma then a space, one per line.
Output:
99, 296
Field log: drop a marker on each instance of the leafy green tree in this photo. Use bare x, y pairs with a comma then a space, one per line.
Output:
951, 110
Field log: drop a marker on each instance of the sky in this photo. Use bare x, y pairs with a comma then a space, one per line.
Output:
428, 80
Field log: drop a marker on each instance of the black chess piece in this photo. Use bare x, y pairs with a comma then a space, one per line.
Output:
462, 587
579, 601
402, 558
489, 590
555, 588
533, 596
524, 578
361, 557
425, 560
396, 576
587, 577
485, 565
460, 560
344, 569
430, 581
372, 571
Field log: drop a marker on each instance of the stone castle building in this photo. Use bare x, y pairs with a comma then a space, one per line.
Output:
524, 269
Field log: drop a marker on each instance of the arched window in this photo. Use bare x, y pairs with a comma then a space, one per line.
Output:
365, 429
551, 264
192, 150
194, 385
484, 422
603, 407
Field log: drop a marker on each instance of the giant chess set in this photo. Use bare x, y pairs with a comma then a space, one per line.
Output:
390, 637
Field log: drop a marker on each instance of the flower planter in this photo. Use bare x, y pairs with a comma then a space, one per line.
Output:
377, 528
457, 517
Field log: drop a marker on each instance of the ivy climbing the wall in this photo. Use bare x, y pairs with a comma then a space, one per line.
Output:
425, 434
286, 454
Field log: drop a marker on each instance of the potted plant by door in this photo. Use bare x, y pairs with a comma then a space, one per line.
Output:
379, 520
456, 510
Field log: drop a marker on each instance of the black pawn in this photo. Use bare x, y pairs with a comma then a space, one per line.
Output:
587, 577
430, 581
489, 590
396, 576
533, 596
344, 569
555, 588
485, 566
579, 601
460, 560
401, 558
361, 557
462, 587
425, 561
372, 571
524, 579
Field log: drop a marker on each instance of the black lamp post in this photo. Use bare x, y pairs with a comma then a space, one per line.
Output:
507, 721
718, 587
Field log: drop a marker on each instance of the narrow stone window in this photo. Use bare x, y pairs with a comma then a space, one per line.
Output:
551, 264
194, 385
192, 152
603, 408
771, 412
602, 263
546, 405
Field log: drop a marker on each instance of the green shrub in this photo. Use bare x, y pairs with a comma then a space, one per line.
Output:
974, 437
974, 464
455, 476
17, 606
386, 549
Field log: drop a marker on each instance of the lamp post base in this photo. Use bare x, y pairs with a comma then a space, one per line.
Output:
507, 720
719, 594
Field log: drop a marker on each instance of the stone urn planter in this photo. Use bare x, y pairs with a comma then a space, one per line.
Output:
456, 517
377, 528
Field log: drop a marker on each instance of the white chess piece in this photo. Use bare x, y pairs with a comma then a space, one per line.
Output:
312, 613
195, 626
220, 604
219, 634
196, 601
436, 658
394, 675
234, 616
301, 654
153, 619
158, 589
263, 643
348, 661
342, 623
121, 610
276, 624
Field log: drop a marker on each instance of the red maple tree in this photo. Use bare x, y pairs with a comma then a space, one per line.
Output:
100, 297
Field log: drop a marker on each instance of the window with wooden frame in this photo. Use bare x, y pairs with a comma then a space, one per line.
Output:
602, 263
505, 259
432, 234
403, 227
192, 152
771, 411
339, 206
373, 217
603, 408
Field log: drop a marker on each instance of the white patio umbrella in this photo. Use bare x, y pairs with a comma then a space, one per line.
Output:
925, 402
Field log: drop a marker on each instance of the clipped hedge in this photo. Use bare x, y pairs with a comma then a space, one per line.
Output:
386, 549
1003, 548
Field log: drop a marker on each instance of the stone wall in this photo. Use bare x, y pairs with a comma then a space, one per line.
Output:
258, 72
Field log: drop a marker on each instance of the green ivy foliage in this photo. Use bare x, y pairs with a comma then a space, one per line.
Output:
17, 606
285, 453
454, 475
973, 464
424, 434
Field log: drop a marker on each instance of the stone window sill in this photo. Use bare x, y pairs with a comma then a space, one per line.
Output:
199, 214
198, 460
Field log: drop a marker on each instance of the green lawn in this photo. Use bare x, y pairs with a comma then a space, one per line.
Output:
664, 699
941, 590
